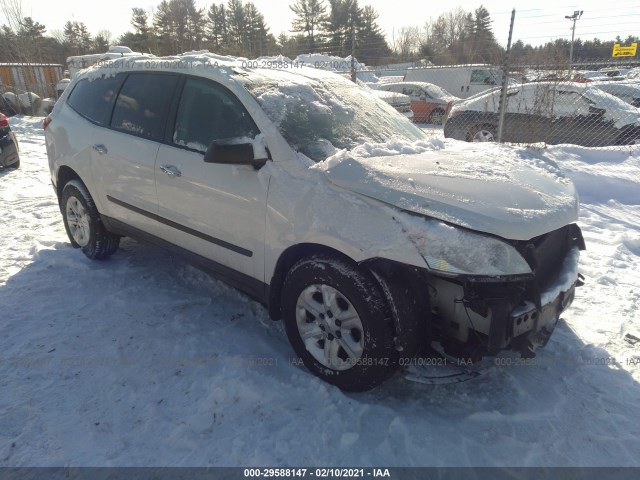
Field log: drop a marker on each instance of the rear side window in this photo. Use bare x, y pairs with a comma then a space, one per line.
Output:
143, 104
209, 112
94, 99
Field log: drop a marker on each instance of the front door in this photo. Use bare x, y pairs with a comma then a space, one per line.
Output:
214, 210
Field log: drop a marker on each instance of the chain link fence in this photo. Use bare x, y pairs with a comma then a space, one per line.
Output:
589, 104
554, 105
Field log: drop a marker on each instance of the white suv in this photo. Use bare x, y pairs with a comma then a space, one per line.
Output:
319, 200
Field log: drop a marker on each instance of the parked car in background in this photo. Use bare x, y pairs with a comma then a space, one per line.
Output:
615, 72
9, 150
627, 92
633, 74
589, 76
402, 103
429, 102
459, 80
317, 199
548, 112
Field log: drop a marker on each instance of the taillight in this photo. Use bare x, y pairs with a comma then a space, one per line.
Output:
4, 121
47, 121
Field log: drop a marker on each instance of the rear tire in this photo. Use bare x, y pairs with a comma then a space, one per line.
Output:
341, 311
83, 224
436, 117
14, 165
482, 133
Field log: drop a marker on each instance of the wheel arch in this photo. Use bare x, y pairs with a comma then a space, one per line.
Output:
404, 288
64, 176
286, 260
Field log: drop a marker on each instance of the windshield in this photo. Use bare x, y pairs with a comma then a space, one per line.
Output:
604, 99
436, 92
319, 115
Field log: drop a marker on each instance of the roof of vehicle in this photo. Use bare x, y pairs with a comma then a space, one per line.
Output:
433, 90
225, 69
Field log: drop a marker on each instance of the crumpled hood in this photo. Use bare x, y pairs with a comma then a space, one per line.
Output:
513, 197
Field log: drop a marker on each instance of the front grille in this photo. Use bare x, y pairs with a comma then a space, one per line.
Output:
546, 253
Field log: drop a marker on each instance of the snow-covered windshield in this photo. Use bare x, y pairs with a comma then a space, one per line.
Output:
319, 115
606, 100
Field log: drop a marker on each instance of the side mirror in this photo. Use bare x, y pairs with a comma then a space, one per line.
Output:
595, 111
230, 153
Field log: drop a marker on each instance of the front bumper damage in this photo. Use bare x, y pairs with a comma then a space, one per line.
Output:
519, 314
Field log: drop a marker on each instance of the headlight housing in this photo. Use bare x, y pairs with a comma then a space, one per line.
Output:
456, 251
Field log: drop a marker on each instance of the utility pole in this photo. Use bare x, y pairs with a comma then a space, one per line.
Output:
575, 17
505, 80
353, 51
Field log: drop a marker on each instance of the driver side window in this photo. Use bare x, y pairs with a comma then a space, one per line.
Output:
209, 112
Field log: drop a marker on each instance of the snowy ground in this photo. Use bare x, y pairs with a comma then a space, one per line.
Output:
144, 360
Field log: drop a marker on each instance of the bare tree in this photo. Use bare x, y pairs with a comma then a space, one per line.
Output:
406, 42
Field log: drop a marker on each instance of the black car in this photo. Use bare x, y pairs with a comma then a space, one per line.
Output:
549, 112
9, 156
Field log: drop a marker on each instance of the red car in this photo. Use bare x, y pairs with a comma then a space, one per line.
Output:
429, 102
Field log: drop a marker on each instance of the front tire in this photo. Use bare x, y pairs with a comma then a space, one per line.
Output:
338, 323
83, 224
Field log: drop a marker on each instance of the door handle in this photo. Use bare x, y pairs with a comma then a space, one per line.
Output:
171, 170
101, 149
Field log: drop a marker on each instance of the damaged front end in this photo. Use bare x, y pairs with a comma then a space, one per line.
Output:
474, 316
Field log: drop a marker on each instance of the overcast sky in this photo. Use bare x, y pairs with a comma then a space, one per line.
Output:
535, 23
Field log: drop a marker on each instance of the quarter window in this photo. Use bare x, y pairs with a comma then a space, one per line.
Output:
94, 99
209, 112
143, 104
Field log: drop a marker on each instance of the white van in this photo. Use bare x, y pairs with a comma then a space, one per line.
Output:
459, 80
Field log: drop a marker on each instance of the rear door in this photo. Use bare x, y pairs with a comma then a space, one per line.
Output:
214, 210
125, 154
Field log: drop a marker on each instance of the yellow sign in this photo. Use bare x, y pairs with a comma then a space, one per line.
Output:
619, 51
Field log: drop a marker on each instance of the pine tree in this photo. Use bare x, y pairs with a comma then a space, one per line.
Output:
140, 39
216, 28
163, 29
236, 26
342, 23
371, 43
256, 33
309, 17
31, 30
484, 42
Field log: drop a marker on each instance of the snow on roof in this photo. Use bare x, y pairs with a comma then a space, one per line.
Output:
222, 68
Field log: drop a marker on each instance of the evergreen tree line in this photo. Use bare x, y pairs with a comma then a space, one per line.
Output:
238, 28
584, 51
335, 27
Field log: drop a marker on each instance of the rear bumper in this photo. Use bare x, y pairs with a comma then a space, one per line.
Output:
8, 150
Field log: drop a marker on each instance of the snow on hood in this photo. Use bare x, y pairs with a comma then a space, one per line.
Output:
502, 191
